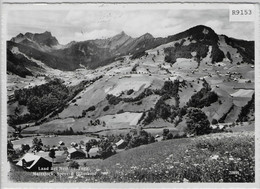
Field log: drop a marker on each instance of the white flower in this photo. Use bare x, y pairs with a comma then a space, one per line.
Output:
214, 157
185, 180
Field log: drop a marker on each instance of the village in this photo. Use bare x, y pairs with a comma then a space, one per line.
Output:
40, 157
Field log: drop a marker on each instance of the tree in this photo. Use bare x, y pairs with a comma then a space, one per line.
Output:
127, 138
229, 56
151, 138
71, 131
88, 146
214, 122
165, 132
93, 142
74, 165
52, 154
106, 149
135, 142
10, 151
37, 144
169, 136
81, 143
25, 148
197, 122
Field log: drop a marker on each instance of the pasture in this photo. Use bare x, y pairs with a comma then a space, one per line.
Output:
221, 157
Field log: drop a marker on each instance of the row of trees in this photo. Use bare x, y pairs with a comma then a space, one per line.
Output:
68, 131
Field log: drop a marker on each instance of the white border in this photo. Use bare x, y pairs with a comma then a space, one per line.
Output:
110, 4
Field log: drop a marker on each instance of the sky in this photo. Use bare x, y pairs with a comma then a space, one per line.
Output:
81, 25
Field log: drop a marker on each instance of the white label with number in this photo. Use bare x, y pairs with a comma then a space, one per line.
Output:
241, 13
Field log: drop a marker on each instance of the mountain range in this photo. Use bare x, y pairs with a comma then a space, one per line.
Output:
92, 54
116, 84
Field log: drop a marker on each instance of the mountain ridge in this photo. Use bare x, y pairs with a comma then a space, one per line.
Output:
95, 53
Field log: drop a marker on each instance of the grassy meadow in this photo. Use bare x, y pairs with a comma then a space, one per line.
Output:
221, 157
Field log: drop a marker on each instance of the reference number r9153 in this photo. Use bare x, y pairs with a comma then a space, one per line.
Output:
241, 13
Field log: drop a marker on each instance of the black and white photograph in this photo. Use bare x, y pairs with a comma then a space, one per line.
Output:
129, 93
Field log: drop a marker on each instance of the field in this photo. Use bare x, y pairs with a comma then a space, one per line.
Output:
221, 157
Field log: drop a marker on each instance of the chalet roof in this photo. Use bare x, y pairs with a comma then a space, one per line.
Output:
29, 158
72, 150
121, 141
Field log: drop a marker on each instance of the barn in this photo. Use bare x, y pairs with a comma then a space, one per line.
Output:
31, 162
75, 153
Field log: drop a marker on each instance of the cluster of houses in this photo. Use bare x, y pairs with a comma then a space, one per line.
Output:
41, 161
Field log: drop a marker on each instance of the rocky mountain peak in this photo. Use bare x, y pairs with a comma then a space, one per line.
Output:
120, 35
147, 36
41, 39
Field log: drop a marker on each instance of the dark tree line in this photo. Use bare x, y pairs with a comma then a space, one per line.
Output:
203, 98
42, 100
250, 106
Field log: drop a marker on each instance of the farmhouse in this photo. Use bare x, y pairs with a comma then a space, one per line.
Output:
33, 162
75, 153
121, 144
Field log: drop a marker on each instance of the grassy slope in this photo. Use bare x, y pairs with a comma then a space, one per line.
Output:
209, 158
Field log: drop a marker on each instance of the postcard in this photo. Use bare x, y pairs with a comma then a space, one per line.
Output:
128, 94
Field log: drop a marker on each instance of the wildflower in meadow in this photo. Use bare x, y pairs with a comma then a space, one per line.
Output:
104, 173
214, 157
